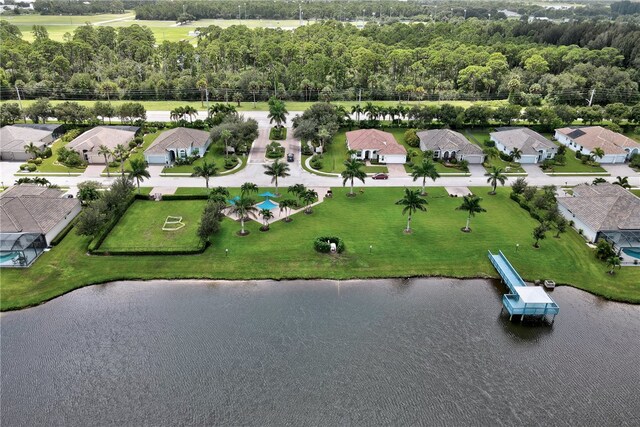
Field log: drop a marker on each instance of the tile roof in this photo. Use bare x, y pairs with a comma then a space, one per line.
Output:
14, 138
33, 209
604, 207
178, 138
374, 139
447, 140
591, 137
110, 136
524, 139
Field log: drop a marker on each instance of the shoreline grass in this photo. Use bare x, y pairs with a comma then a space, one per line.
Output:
436, 248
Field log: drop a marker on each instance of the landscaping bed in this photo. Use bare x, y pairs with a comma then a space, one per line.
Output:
285, 252
278, 134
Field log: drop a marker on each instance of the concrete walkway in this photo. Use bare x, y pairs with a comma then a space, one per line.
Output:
259, 147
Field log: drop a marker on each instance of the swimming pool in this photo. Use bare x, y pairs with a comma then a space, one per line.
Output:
267, 204
632, 252
8, 256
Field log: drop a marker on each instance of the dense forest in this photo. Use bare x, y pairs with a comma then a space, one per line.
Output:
462, 59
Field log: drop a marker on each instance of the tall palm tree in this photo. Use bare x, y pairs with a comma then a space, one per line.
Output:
225, 136
206, 171
191, 112
285, 206
515, 154
219, 195
138, 171
244, 208
371, 110
470, 204
622, 182
424, 170
357, 110
266, 215
297, 190
103, 150
494, 177
597, 153
32, 149
412, 202
176, 114
120, 153
276, 170
248, 188
491, 153
277, 113
353, 170
308, 198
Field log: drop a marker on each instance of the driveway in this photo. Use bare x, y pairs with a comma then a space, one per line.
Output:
619, 170
533, 171
259, 147
93, 171
396, 170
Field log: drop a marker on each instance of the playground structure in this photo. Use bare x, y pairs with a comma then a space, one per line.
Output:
173, 223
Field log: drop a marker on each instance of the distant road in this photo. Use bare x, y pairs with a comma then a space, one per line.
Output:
259, 116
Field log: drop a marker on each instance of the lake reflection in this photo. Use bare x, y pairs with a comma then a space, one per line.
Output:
391, 352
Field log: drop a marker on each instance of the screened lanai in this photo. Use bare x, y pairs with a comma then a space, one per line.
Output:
20, 249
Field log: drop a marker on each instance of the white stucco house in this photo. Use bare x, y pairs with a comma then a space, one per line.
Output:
177, 143
447, 144
88, 144
617, 147
374, 144
604, 211
534, 147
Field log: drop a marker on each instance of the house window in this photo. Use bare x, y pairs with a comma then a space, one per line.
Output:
436, 154
182, 153
359, 154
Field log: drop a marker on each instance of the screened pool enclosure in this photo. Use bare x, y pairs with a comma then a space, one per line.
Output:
20, 249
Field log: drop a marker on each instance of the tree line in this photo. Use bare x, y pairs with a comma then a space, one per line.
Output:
469, 59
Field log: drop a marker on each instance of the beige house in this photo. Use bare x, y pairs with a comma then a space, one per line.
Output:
376, 145
88, 144
534, 148
177, 143
13, 140
447, 144
584, 139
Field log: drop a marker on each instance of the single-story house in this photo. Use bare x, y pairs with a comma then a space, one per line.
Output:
584, 139
31, 216
447, 144
56, 129
14, 138
88, 144
374, 144
534, 148
177, 143
604, 211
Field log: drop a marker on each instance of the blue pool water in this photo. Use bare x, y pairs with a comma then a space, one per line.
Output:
267, 204
632, 252
8, 256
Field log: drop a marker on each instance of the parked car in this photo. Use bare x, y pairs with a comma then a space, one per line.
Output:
290, 157
380, 176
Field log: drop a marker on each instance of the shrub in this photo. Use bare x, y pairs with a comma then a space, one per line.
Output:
274, 150
411, 138
133, 143
70, 135
322, 244
306, 150
230, 163
278, 133
46, 153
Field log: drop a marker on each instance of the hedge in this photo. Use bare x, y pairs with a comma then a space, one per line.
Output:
278, 134
160, 251
61, 235
185, 197
321, 244
97, 240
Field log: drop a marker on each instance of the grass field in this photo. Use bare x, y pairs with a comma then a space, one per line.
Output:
480, 136
141, 226
214, 155
436, 248
139, 154
51, 164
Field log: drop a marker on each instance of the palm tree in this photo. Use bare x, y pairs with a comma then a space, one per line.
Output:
206, 171
598, 180
308, 198
424, 170
357, 110
225, 135
138, 171
247, 188
515, 154
219, 195
297, 190
622, 182
412, 202
491, 153
266, 215
276, 170
32, 149
371, 110
597, 153
103, 150
191, 112
353, 170
176, 114
470, 204
285, 206
613, 262
495, 176
244, 208
277, 113
120, 153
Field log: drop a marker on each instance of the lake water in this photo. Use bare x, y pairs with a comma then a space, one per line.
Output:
386, 352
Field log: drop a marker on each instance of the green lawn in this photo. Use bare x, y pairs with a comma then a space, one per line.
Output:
214, 155
480, 136
336, 153
139, 153
51, 164
636, 192
571, 163
436, 248
141, 226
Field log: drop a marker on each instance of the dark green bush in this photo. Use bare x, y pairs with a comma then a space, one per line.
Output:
322, 244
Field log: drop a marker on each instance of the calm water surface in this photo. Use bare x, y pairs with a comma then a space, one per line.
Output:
388, 352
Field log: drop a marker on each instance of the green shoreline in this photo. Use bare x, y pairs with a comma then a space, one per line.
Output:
435, 249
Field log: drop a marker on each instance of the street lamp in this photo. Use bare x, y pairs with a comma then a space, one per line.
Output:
239, 14
465, 14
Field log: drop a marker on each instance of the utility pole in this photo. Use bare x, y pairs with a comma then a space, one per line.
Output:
206, 91
300, 13
590, 100
359, 95
18, 93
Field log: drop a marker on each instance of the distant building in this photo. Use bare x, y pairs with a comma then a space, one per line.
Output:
617, 147
14, 138
447, 144
604, 211
31, 216
374, 144
88, 144
177, 143
534, 147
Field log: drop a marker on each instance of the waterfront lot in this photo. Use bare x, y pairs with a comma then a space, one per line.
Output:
140, 229
436, 248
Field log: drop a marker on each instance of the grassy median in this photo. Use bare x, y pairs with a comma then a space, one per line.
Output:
437, 247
